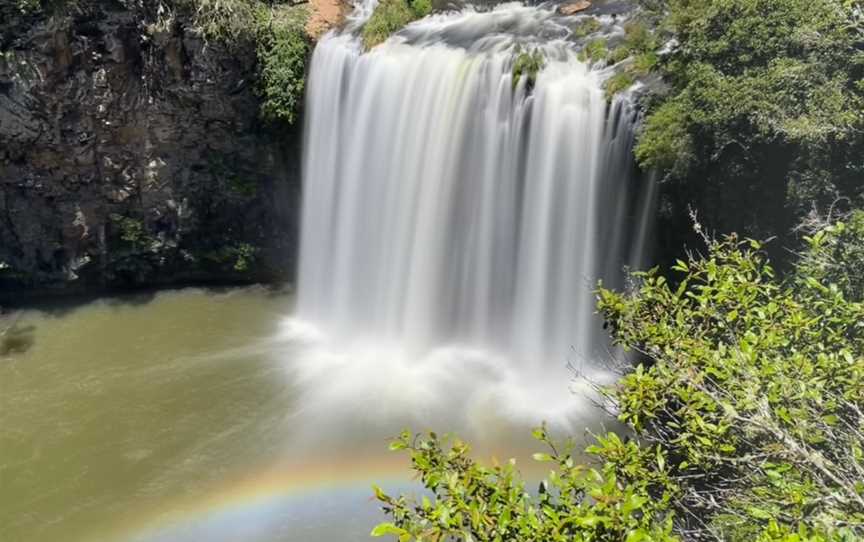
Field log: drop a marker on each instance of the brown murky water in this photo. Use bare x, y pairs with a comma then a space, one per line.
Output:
180, 416
109, 409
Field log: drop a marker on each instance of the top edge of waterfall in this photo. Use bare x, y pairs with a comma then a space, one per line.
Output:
447, 205
498, 28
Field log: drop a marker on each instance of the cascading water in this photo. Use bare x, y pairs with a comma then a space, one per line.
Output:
455, 222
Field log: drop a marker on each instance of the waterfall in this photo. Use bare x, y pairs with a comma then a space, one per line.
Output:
446, 206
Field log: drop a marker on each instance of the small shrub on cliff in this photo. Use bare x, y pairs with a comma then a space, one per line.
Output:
224, 20
586, 27
240, 257
244, 256
283, 47
617, 83
638, 49
595, 50
132, 231
390, 16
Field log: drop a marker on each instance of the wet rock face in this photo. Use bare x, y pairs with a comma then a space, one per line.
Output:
132, 154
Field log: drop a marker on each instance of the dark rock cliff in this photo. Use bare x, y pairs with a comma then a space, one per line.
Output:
131, 154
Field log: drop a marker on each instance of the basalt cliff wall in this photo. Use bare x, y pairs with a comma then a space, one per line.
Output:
132, 154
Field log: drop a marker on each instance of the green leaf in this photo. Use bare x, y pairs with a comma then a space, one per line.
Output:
383, 529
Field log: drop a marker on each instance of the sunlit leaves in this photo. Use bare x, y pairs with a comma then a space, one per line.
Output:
754, 387
626, 498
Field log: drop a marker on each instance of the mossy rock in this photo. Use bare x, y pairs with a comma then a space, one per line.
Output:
390, 16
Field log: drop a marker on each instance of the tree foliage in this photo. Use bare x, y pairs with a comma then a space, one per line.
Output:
755, 388
764, 105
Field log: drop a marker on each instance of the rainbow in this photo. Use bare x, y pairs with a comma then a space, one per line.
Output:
279, 499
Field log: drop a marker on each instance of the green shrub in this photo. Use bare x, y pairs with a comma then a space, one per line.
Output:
754, 388
132, 231
241, 256
618, 82
223, 20
283, 48
527, 64
594, 50
390, 16
586, 27
618, 54
638, 37
623, 499
244, 256
421, 8
640, 45
644, 63
835, 255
